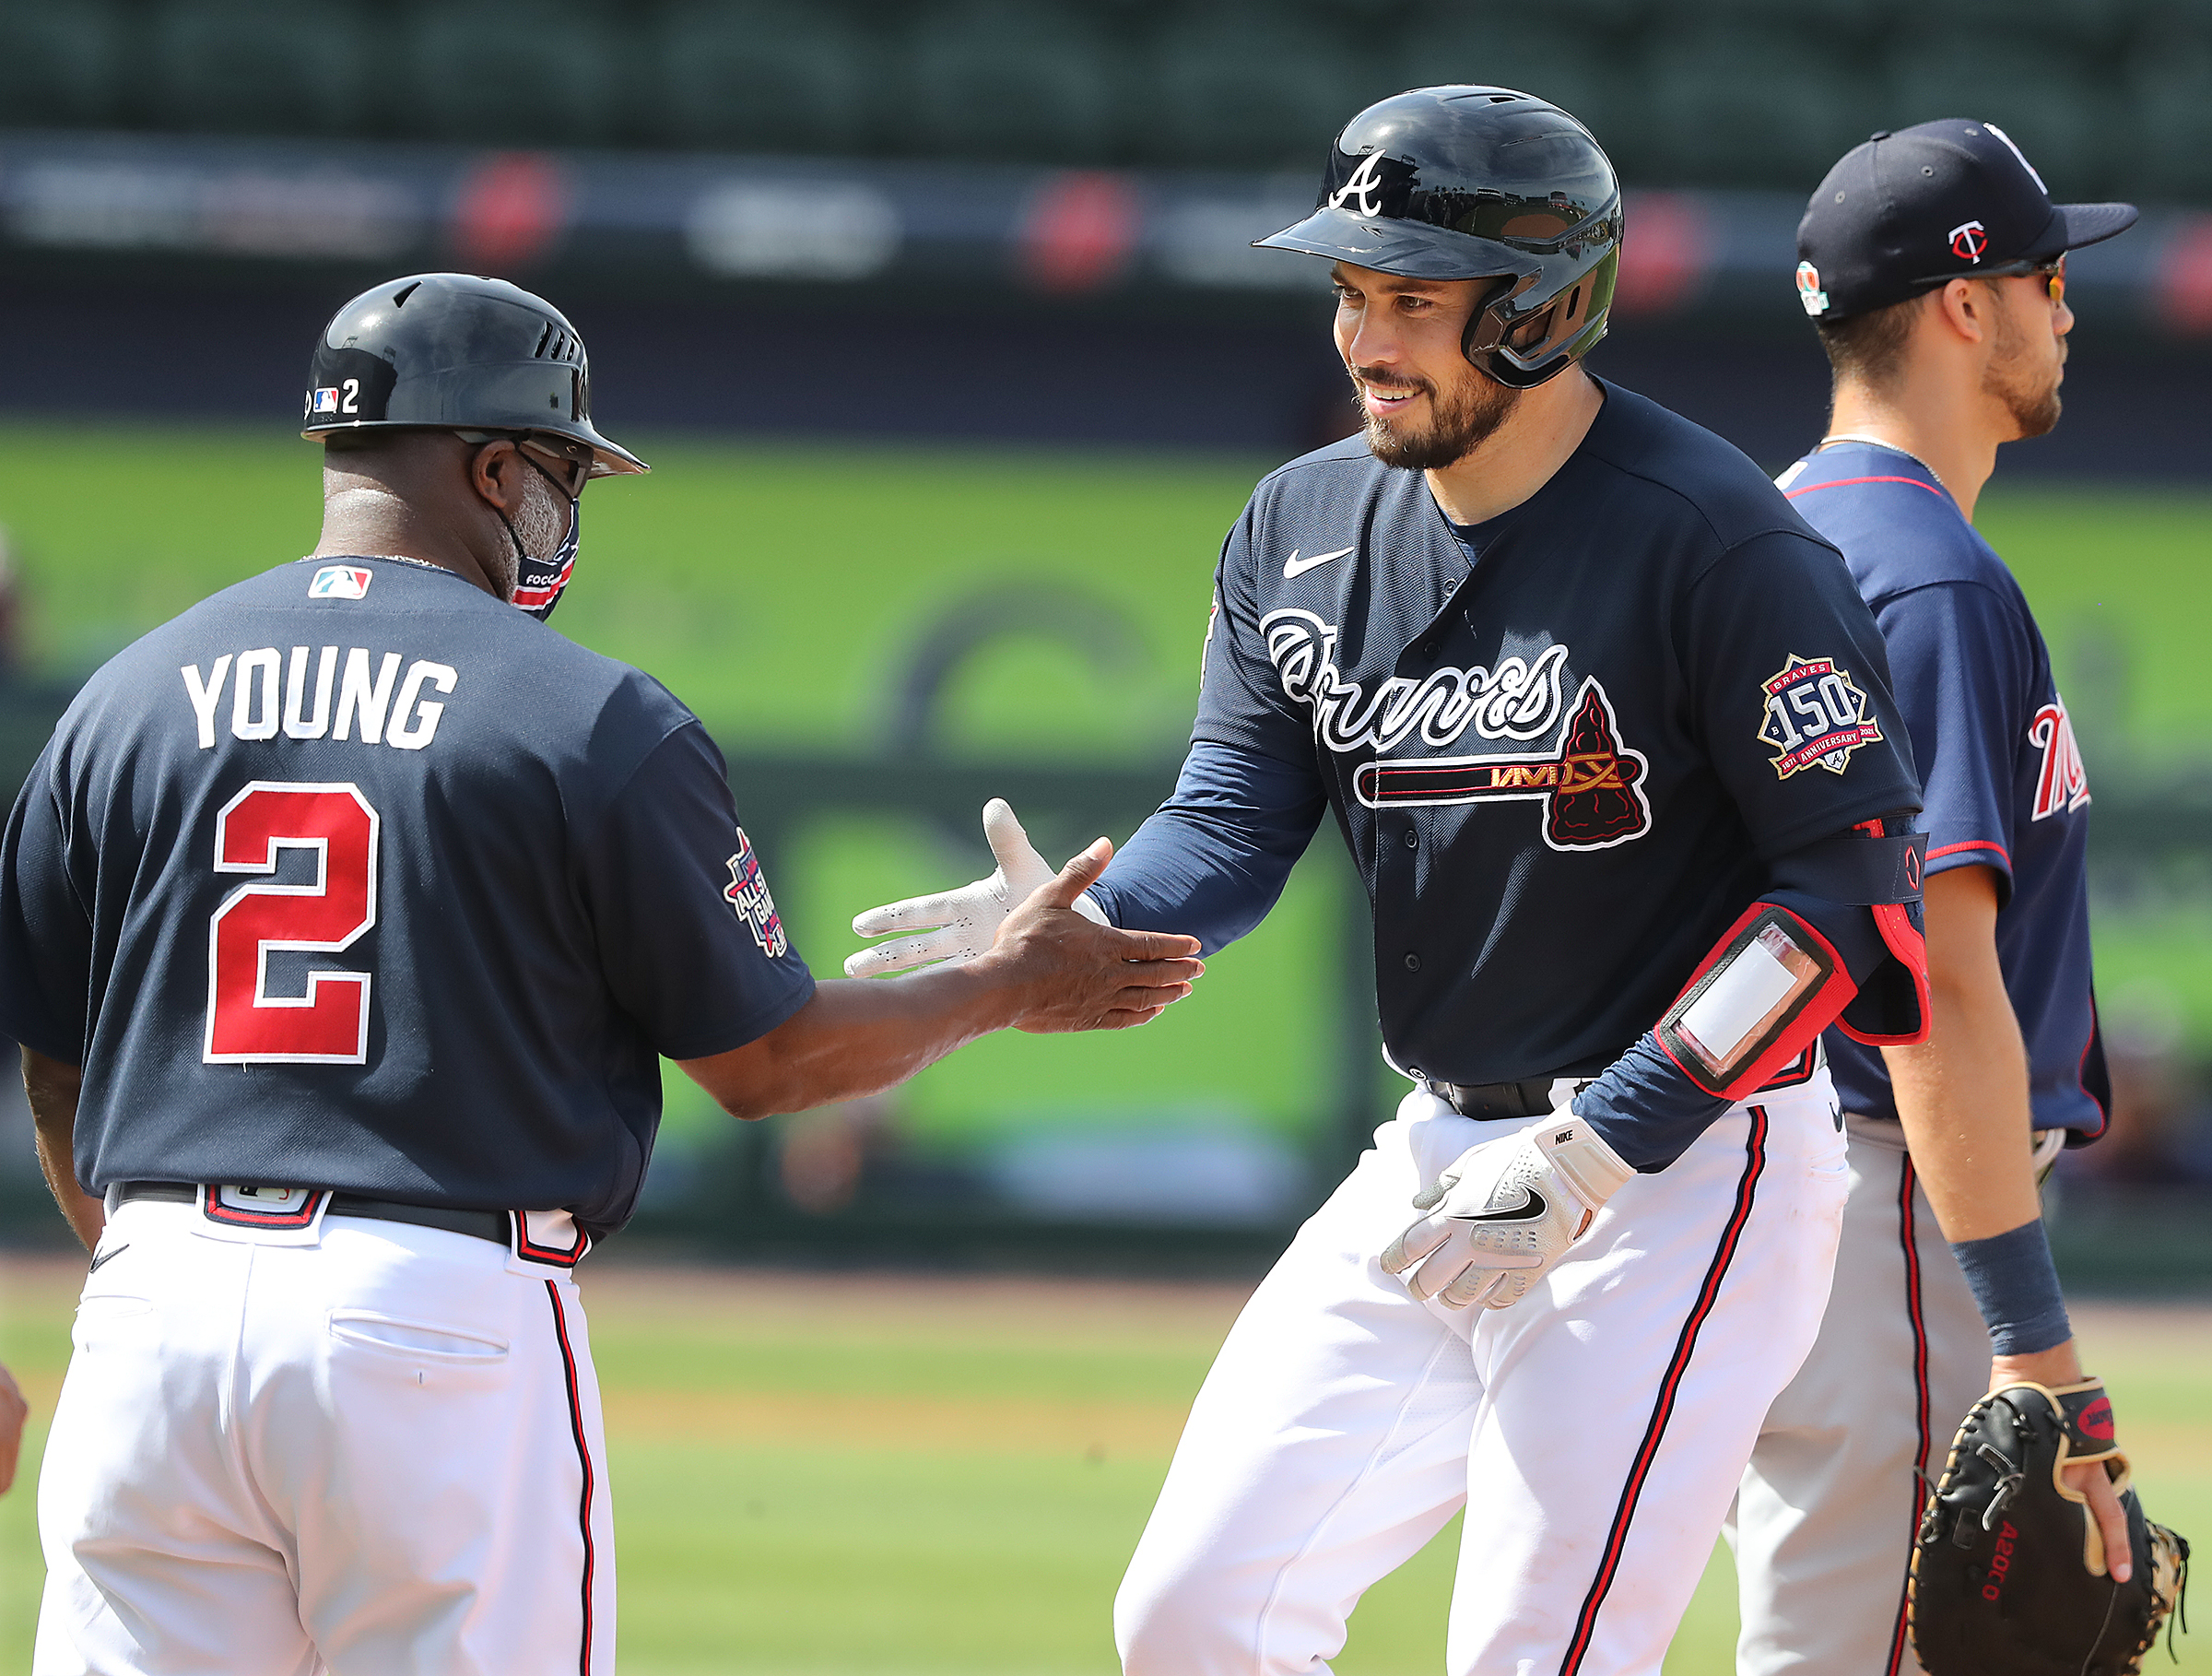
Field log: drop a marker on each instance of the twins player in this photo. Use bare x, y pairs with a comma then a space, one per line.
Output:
1935, 264
343, 922
1609, 735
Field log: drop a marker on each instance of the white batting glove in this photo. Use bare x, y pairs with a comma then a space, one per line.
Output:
1503, 1212
959, 924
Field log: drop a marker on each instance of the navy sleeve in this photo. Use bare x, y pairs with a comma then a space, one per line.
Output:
45, 930
1213, 861
1965, 665
1790, 685
1241, 699
690, 938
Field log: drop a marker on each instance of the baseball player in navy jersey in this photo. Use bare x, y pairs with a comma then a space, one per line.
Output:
1608, 733
343, 922
1934, 262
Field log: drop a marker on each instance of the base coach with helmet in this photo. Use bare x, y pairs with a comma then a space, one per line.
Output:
1608, 733
343, 922
1934, 265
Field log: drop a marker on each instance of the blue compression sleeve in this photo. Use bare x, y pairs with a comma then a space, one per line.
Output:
2014, 1285
1646, 1109
1215, 857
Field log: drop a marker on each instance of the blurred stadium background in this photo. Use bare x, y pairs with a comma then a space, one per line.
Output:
940, 325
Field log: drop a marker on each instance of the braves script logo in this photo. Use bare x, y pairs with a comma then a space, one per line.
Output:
1968, 240
2062, 782
747, 893
1366, 183
1813, 714
1518, 699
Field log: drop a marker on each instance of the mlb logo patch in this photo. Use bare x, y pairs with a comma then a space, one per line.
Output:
340, 581
327, 399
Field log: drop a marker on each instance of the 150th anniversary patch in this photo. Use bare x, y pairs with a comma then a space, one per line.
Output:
1813, 714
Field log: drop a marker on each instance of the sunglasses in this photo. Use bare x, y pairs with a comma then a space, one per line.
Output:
2052, 273
567, 463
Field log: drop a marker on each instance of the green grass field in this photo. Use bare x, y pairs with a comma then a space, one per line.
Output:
877, 1475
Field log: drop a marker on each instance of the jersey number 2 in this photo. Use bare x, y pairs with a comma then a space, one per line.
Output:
329, 1025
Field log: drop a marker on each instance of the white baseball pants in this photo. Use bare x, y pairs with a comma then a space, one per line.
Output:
362, 1448
1825, 1520
1594, 1431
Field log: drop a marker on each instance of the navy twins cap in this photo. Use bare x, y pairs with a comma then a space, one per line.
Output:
1946, 200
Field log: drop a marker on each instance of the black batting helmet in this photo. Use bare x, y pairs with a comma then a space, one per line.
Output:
1467, 183
455, 352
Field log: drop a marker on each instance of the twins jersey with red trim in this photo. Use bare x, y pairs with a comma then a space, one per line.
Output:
1564, 745
2005, 784
355, 878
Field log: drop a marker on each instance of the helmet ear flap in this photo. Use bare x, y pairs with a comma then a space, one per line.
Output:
1536, 348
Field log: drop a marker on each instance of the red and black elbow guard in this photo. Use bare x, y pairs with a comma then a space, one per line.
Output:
1775, 980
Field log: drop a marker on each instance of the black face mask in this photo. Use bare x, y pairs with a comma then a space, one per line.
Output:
538, 582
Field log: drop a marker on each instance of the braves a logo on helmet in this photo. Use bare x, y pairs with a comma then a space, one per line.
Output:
1378, 185
1968, 240
2062, 782
747, 893
1364, 189
1814, 712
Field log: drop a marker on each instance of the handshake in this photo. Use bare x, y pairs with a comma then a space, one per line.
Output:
1041, 928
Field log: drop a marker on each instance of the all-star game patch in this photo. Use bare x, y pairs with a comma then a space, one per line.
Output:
1813, 714
747, 893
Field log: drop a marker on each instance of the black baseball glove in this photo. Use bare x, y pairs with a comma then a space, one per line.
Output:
2009, 1572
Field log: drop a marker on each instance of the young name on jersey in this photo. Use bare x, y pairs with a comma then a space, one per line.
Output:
267, 697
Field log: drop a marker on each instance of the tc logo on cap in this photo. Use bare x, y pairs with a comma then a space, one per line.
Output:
1809, 291
1968, 240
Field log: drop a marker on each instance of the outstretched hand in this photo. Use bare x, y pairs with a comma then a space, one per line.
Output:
958, 925
1078, 974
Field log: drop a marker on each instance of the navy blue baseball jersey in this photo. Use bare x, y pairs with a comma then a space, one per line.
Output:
1562, 763
2005, 787
354, 877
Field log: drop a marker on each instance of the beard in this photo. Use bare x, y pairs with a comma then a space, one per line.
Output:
2029, 394
540, 524
1462, 419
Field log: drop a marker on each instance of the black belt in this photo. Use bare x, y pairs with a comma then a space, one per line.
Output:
1531, 1097
483, 1224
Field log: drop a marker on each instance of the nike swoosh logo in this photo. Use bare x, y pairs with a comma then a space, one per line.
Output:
1295, 566
1530, 1206
105, 1256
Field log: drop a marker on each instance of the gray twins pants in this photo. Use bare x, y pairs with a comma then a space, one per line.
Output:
1825, 1517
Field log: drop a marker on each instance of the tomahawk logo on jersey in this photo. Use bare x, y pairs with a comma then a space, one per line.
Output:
1975, 689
